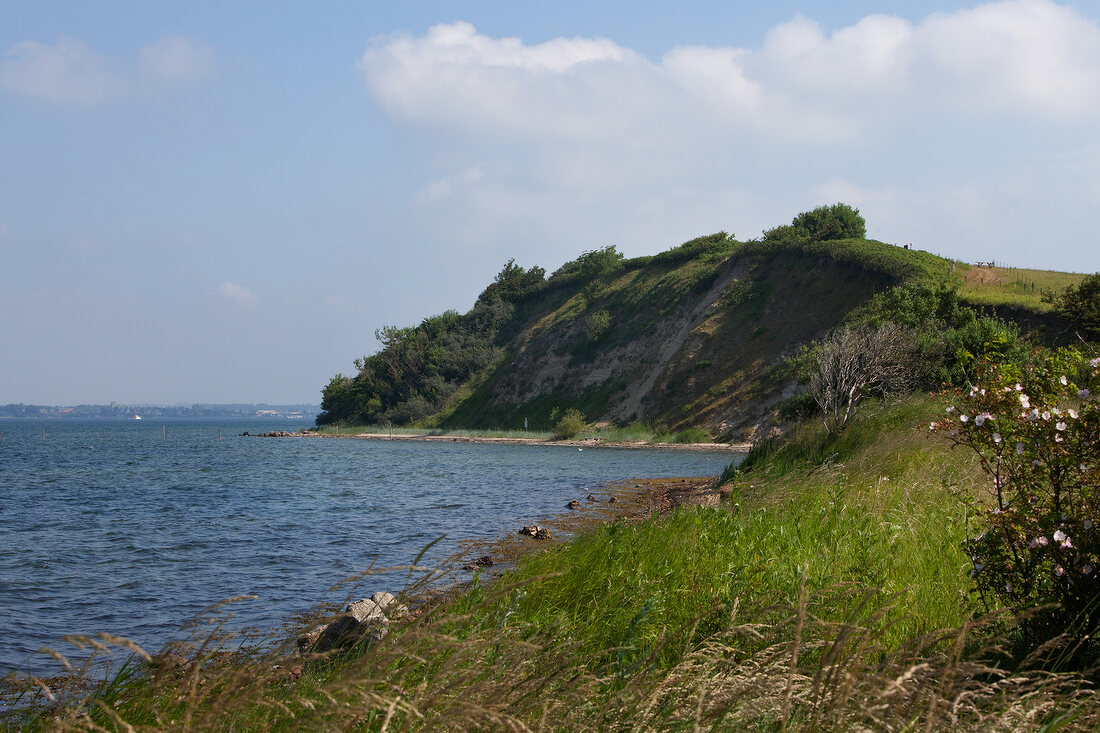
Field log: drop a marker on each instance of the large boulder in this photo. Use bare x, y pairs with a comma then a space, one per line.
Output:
365, 620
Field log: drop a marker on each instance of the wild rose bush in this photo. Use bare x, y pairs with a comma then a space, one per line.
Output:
1036, 432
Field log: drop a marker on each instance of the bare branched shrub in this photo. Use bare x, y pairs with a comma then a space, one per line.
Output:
855, 363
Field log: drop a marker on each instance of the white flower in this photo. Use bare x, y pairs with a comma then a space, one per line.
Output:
1019, 387
1033, 415
1025, 401
979, 419
963, 418
1046, 414
1059, 535
996, 437
949, 410
1083, 394
1073, 413
1063, 380
1058, 438
1008, 587
1095, 362
1060, 426
932, 425
1038, 542
1055, 411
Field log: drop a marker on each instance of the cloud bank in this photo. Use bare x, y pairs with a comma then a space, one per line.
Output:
238, 293
70, 72
942, 112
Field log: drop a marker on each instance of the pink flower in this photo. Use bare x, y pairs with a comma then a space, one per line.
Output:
1046, 414
1095, 362
963, 418
932, 425
1038, 542
1058, 570
1019, 387
1058, 438
1073, 413
1060, 426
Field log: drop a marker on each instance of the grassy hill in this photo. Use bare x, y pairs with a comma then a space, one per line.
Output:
701, 336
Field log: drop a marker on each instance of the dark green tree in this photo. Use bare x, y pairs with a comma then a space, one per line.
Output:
839, 221
1081, 306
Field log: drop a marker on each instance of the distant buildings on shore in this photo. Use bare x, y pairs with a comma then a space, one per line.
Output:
130, 411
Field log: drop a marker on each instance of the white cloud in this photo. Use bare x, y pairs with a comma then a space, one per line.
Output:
444, 187
579, 88
1031, 56
174, 60
966, 117
71, 72
238, 293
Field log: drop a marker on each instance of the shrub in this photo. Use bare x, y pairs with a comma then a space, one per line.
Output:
839, 221
856, 362
692, 435
1034, 430
596, 325
570, 425
1081, 305
797, 407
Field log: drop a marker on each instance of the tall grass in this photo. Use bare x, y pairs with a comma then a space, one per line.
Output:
1013, 286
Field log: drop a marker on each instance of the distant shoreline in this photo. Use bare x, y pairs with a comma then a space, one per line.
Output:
589, 443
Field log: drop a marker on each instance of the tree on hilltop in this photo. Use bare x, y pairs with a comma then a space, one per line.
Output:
839, 221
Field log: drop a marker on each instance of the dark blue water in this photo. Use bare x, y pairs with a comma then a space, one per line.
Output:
132, 528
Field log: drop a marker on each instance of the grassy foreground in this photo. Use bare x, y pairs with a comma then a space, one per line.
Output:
830, 592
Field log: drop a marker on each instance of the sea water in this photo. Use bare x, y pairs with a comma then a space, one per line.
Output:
134, 527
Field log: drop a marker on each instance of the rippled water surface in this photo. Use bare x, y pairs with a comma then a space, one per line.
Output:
133, 527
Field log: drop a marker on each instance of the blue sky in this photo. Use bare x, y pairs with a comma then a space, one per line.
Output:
221, 201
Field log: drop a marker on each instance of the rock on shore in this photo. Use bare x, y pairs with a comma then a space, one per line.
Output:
366, 619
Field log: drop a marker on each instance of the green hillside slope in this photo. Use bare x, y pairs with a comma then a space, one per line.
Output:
701, 335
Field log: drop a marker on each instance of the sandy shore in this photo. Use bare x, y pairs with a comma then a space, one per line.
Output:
590, 443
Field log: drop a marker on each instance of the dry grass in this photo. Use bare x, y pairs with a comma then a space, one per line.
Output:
445, 672
1013, 286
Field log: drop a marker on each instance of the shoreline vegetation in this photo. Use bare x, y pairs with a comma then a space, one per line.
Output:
488, 438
